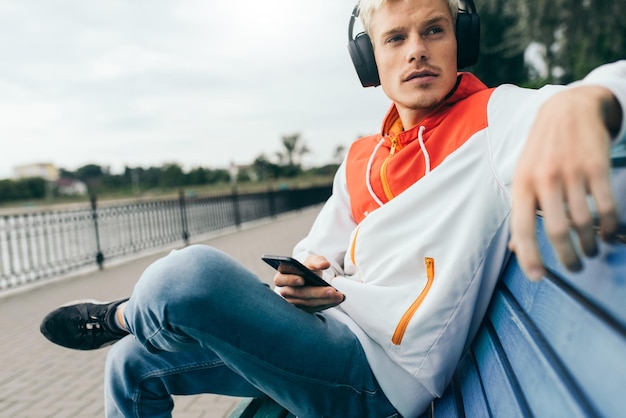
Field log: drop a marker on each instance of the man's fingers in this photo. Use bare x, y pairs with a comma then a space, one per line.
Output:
581, 218
606, 208
289, 280
565, 159
599, 187
312, 298
523, 237
557, 227
317, 262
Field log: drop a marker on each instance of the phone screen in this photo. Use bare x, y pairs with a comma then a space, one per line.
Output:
289, 265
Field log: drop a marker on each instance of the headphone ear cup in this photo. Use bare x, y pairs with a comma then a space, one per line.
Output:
362, 54
467, 39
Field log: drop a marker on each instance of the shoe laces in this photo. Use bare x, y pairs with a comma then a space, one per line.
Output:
92, 326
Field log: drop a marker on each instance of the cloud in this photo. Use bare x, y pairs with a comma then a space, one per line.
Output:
142, 83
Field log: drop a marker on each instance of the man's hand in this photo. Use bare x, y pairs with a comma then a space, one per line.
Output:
566, 158
308, 298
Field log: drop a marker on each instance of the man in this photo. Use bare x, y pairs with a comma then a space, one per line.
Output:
412, 240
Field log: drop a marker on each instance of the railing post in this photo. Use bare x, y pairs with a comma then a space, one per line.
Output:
183, 216
272, 203
94, 216
236, 213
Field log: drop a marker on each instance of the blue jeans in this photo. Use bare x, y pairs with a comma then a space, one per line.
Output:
202, 323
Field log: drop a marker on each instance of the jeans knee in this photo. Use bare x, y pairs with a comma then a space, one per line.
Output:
195, 279
181, 273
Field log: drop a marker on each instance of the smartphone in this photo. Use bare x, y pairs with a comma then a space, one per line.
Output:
289, 265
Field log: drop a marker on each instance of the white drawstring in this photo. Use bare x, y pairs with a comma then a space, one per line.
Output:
423, 147
369, 169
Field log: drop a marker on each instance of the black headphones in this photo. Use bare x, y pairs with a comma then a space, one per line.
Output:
467, 38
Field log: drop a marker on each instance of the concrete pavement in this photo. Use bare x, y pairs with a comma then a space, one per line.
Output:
40, 379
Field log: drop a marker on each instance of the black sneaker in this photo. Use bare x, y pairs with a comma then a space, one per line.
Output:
83, 325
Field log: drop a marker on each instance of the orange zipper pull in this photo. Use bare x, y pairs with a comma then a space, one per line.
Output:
394, 144
430, 267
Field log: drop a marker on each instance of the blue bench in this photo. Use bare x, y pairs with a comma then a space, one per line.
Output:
556, 348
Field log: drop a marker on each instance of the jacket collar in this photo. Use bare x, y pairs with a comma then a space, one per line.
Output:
467, 84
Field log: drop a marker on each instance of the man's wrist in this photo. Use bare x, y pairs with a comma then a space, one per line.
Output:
612, 113
612, 77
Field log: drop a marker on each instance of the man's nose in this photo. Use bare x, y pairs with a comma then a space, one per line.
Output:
416, 49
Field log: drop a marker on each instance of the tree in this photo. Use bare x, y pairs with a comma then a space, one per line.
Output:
172, 175
501, 48
89, 172
92, 175
264, 169
295, 148
574, 37
22, 189
594, 32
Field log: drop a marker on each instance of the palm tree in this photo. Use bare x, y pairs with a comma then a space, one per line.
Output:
295, 148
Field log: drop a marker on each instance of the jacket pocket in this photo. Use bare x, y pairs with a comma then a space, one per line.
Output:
398, 334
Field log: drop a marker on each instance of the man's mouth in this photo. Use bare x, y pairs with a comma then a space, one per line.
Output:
419, 75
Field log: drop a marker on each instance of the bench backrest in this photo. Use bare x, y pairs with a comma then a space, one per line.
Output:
555, 348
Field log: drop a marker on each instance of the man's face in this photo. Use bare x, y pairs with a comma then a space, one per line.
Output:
415, 50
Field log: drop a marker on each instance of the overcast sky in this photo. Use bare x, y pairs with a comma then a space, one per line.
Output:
195, 82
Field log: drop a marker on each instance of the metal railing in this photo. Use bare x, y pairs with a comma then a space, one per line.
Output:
39, 245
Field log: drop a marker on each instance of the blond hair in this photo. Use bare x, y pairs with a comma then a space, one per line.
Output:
367, 7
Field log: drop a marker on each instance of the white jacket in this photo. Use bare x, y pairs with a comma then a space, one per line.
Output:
419, 267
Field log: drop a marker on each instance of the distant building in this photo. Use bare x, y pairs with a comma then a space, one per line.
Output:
243, 172
46, 171
49, 172
71, 187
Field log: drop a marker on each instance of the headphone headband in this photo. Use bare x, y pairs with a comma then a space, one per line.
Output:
467, 37
353, 17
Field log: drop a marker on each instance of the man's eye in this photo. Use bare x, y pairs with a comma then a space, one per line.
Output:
394, 39
435, 30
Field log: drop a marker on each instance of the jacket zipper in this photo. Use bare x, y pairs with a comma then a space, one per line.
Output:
396, 339
395, 146
353, 246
